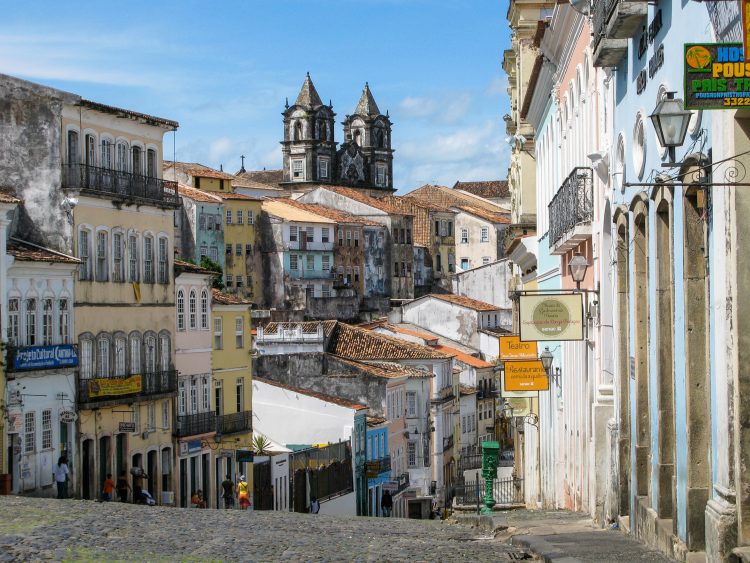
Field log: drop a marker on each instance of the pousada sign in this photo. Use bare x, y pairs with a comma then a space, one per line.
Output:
716, 76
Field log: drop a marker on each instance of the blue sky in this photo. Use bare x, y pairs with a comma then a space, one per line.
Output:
223, 70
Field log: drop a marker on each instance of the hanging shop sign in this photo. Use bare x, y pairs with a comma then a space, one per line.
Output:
246, 456
126, 427
716, 76
520, 406
105, 387
67, 416
45, 357
546, 317
745, 4
525, 375
512, 348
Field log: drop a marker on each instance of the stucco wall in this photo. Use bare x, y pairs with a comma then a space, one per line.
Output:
487, 283
448, 320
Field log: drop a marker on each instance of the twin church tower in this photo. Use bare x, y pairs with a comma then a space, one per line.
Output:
365, 158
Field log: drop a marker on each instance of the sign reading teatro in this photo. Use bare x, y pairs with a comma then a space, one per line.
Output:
716, 76
45, 357
105, 387
547, 317
511, 348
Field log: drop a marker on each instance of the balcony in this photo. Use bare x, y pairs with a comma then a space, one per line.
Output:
377, 466
402, 482
571, 212
309, 245
234, 423
119, 185
112, 390
614, 22
447, 443
195, 424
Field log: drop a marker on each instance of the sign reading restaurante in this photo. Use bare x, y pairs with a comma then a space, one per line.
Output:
551, 317
525, 375
716, 76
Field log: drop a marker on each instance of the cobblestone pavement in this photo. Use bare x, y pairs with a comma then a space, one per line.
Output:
73, 530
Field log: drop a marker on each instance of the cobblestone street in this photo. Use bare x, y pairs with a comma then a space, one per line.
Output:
40, 529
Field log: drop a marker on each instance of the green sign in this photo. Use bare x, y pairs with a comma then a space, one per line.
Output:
716, 76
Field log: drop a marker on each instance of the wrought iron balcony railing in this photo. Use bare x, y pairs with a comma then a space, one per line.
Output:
572, 205
119, 185
94, 390
447, 443
194, 424
233, 423
617, 19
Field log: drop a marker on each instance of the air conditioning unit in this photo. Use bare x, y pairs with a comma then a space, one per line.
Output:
167, 498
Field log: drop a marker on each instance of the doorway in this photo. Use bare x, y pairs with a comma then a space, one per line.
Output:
87, 464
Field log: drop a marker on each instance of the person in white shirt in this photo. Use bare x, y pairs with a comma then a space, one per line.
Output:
61, 474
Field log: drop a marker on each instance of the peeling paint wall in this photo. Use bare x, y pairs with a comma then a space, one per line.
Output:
374, 263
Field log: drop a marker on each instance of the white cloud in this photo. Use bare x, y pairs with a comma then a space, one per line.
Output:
446, 108
417, 107
499, 86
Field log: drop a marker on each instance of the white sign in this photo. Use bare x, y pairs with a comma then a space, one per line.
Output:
68, 416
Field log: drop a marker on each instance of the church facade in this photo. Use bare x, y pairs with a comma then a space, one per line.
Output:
311, 155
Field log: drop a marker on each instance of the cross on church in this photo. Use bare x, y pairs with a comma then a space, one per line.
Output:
242, 168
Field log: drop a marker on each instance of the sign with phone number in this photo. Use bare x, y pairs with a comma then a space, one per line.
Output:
716, 76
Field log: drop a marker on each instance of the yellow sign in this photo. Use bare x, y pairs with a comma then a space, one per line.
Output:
110, 387
745, 5
511, 348
525, 375
548, 317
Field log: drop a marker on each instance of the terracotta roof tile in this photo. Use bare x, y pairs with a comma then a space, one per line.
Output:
330, 213
28, 252
255, 178
366, 199
197, 195
222, 298
7, 196
182, 266
485, 189
233, 196
421, 210
286, 210
464, 357
376, 420
308, 327
492, 217
387, 370
448, 197
467, 390
322, 396
196, 169
356, 343
467, 302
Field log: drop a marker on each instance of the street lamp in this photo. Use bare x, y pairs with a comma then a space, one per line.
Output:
546, 358
671, 120
577, 268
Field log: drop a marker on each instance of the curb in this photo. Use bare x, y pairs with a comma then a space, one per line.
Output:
541, 547
486, 522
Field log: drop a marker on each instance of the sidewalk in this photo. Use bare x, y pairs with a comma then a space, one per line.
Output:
569, 537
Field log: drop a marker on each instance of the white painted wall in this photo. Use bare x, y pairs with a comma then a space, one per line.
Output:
446, 319
486, 283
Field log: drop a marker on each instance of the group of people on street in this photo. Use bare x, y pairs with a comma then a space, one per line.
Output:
242, 490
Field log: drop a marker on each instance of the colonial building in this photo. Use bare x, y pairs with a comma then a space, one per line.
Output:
199, 226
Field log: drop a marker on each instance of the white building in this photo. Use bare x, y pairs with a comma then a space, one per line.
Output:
40, 369
488, 283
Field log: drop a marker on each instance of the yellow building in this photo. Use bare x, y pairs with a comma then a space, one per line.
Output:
124, 294
233, 384
241, 261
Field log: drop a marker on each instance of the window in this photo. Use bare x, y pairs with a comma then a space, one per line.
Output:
324, 234
485, 235
218, 344
148, 259
84, 253
219, 404
118, 258
73, 157
250, 217
238, 249
485, 259
205, 393
240, 217
102, 357
135, 354
464, 236
341, 237
325, 290
438, 263
204, 251
248, 249
206, 222
229, 250
323, 168
151, 163
214, 254
137, 417
451, 263
395, 269
137, 160
164, 352
133, 257
310, 262
87, 358
239, 282
229, 216
310, 234
240, 388
163, 260
450, 228
181, 398
30, 319
230, 280
119, 356
165, 414
63, 321
292, 233
193, 398
356, 273
348, 238
298, 169
150, 348
326, 263
47, 429
380, 174
411, 404
192, 308
204, 310
408, 236
47, 320
293, 262
101, 256
29, 432
106, 154
151, 424
122, 157
403, 269
239, 332
411, 454
464, 263
14, 321
356, 238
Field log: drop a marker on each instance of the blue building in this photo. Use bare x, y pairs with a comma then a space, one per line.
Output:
378, 463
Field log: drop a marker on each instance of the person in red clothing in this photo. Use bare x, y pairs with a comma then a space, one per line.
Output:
108, 488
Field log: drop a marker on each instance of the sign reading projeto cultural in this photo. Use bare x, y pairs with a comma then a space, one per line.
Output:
551, 317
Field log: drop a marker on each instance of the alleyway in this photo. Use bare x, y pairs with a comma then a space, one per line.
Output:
33, 529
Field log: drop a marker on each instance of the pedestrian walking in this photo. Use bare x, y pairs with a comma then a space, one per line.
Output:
314, 505
197, 501
386, 504
243, 493
123, 486
61, 474
138, 476
108, 488
227, 486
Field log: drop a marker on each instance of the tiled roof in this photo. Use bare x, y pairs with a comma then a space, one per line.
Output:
28, 252
366, 106
467, 390
197, 195
464, 357
308, 327
330, 213
259, 178
497, 330
376, 420
421, 210
322, 396
6, 196
222, 298
366, 199
195, 169
233, 196
492, 217
486, 189
150, 119
182, 266
447, 197
356, 343
286, 210
387, 370
467, 302
308, 95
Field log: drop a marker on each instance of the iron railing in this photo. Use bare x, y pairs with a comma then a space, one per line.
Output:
324, 473
194, 424
572, 205
602, 12
96, 390
233, 423
119, 184
506, 492
377, 466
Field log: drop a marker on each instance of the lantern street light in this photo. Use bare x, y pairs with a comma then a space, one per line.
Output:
671, 120
577, 268
546, 357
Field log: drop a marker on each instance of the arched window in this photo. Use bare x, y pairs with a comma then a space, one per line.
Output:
73, 150
135, 353
180, 310
297, 131
193, 310
137, 160
47, 320
148, 259
164, 352
102, 356
151, 163
122, 157
86, 360
150, 348
106, 154
120, 347
30, 321
358, 137
204, 310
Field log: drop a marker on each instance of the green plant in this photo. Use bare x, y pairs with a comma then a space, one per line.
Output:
261, 445
208, 264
